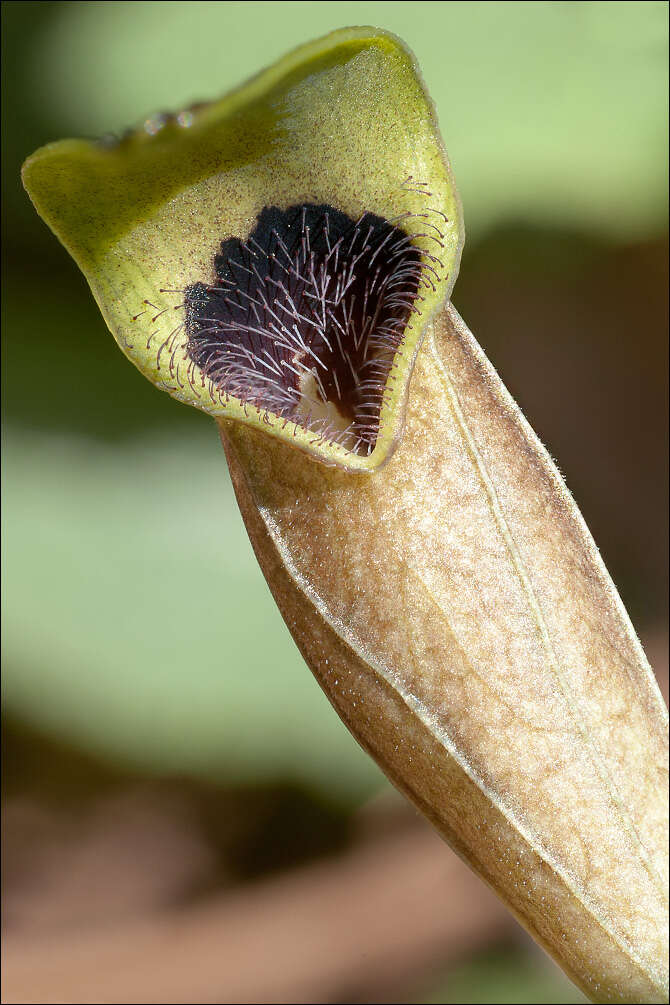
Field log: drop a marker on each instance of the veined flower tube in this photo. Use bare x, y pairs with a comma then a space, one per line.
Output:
283, 260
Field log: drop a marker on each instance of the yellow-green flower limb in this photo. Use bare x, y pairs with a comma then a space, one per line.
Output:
344, 122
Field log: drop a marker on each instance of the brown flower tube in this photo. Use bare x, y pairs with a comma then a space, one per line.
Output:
456, 612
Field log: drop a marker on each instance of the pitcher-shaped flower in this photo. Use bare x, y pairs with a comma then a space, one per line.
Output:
283, 259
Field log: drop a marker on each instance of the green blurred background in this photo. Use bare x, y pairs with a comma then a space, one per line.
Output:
126, 665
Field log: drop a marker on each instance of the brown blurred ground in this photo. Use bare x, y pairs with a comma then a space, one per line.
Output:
110, 912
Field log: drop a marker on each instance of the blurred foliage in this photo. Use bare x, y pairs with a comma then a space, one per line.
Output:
552, 112
152, 633
137, 623
508, 977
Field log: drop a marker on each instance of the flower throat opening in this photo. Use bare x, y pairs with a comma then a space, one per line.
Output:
305, 319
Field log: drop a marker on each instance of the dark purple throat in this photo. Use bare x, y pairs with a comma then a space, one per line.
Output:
305, 318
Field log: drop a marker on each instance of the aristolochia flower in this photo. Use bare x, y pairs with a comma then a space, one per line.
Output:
282, 259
